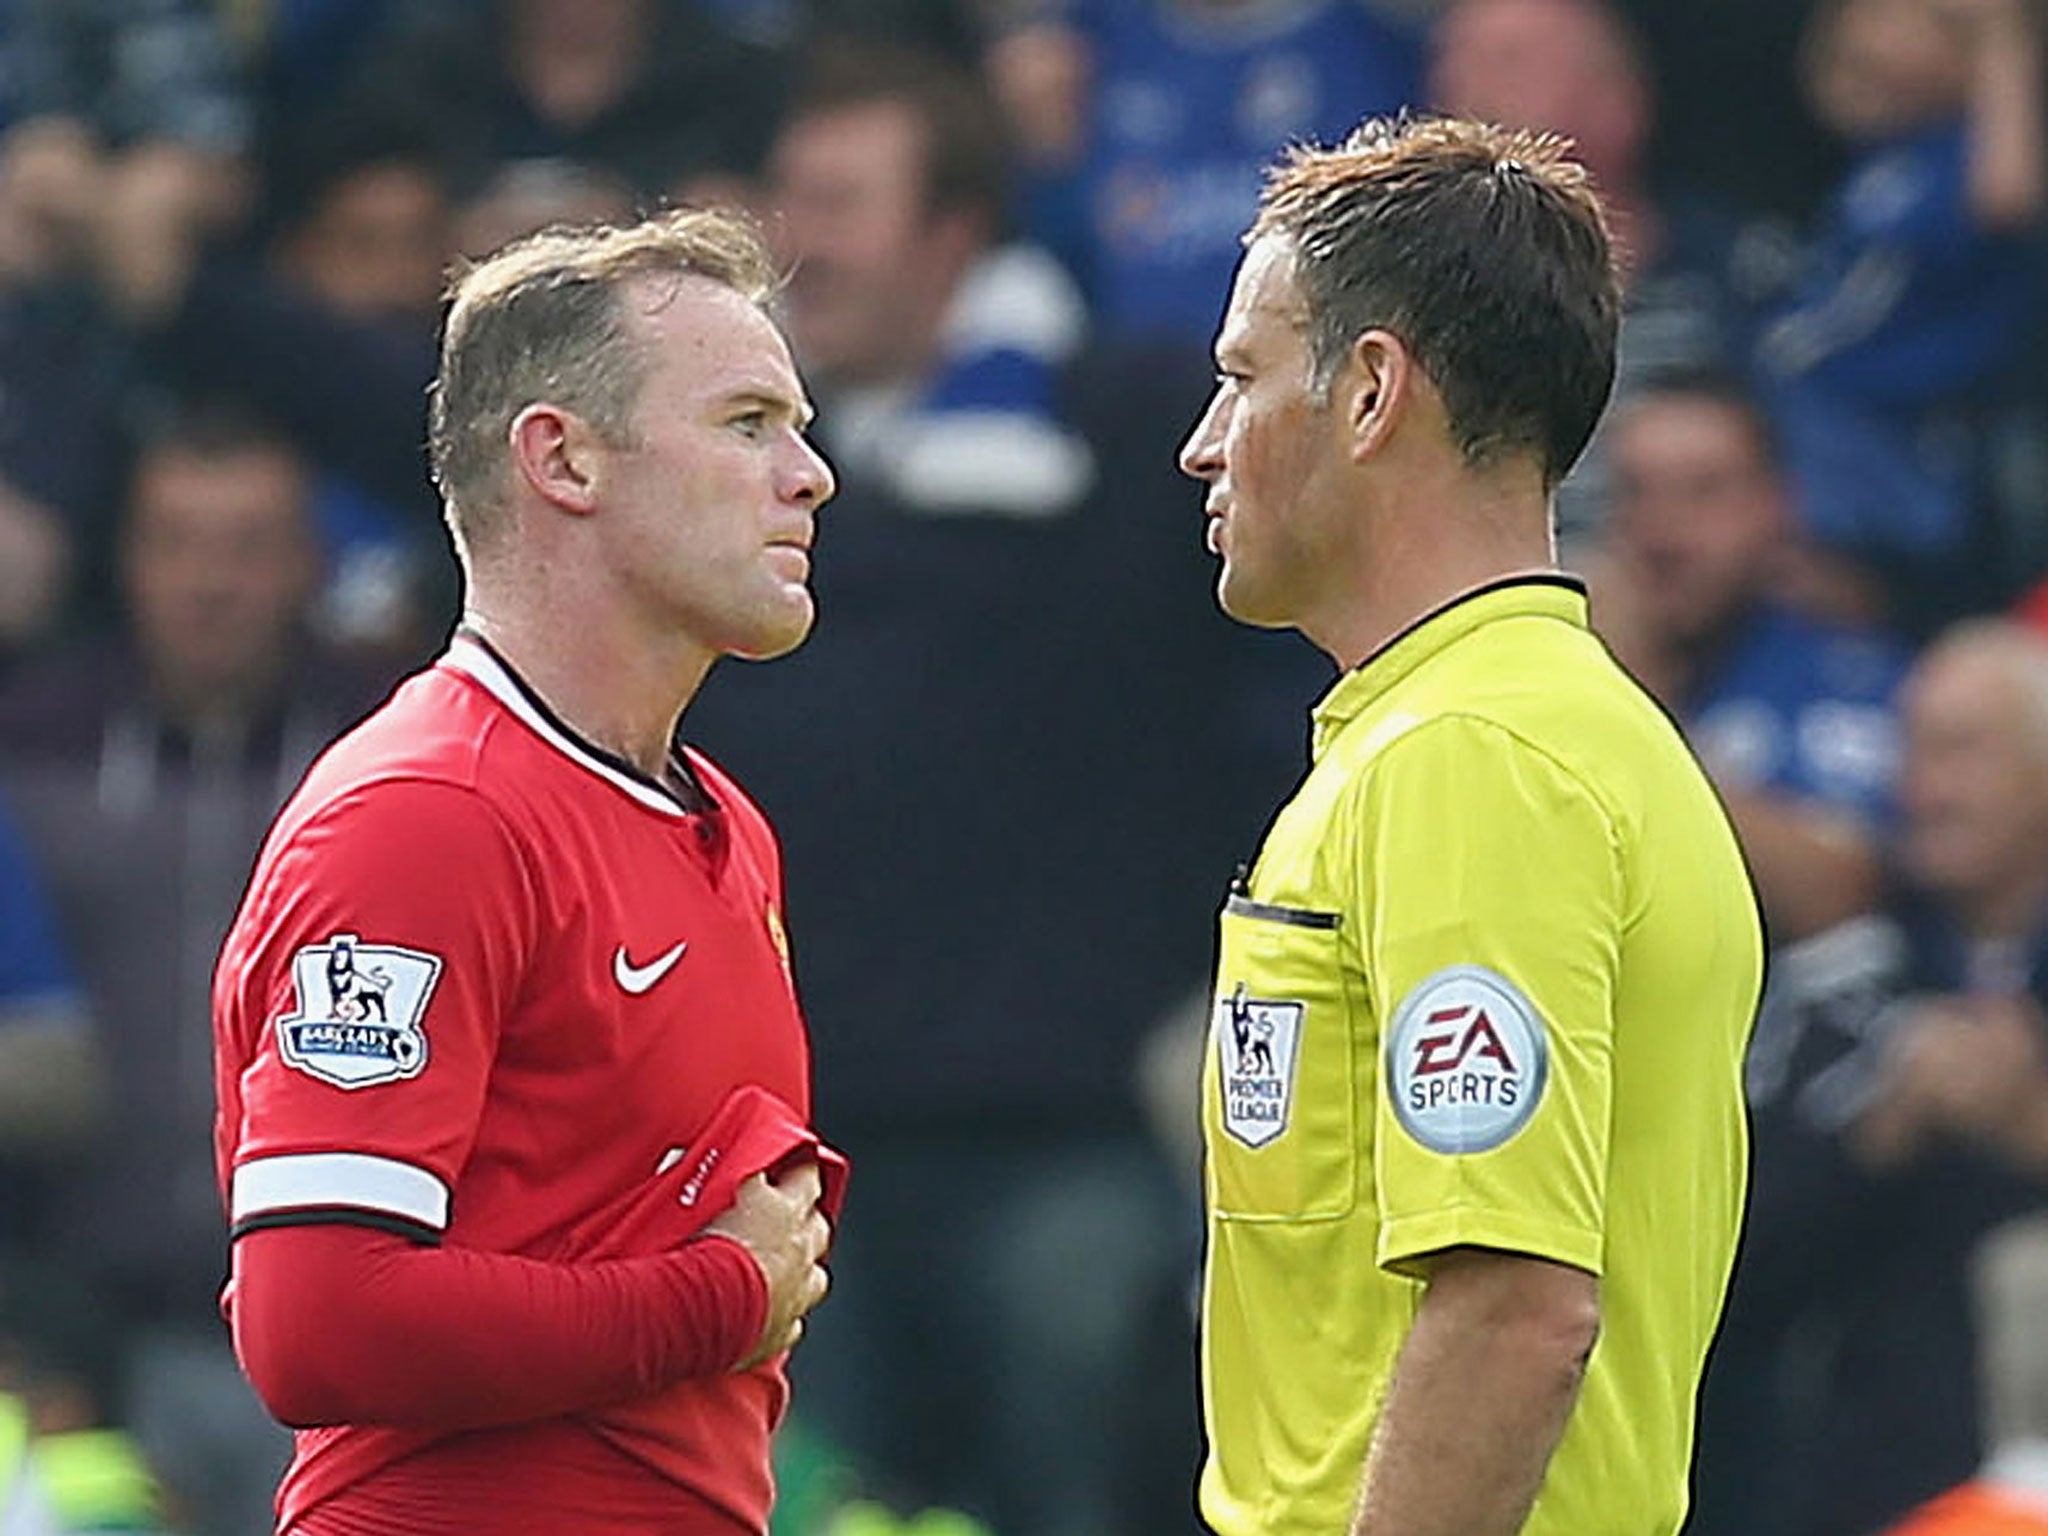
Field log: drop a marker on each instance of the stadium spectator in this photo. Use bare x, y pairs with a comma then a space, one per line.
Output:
48, 1070
54, 1357
36, 551
1574, 67
653, 93
117, 110
978, 766
361, 209
55, 428
364, 229
209, 319
49, 172
24, 1504
359, 227
1792, 716
50, 1084
1897, 1087
53, 437
144, 769
1918, 291
1144, 131
130, 72
525, 195
940, 349
1976, 842
1768, 156
2008, 1496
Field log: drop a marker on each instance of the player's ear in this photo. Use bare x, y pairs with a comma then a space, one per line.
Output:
1373, 388
558, 455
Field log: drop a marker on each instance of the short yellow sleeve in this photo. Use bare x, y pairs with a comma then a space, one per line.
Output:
1490, 887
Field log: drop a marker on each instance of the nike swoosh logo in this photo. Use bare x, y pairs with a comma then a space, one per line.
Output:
638, 978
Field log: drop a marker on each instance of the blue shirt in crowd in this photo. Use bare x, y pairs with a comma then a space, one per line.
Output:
1803, 709
1189, 110
33, 968
1908, 309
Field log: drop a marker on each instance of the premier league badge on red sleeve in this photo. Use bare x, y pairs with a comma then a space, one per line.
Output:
356, 1011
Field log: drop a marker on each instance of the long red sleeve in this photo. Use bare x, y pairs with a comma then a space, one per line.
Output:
341, 1324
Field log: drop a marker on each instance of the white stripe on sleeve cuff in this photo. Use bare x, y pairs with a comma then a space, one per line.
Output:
354, 1181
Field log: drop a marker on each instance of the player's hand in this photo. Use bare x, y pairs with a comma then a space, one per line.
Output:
777, 1220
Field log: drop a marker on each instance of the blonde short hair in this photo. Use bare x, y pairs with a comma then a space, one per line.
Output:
541, 320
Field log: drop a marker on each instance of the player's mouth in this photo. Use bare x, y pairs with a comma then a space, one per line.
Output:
798, 547
1212, 531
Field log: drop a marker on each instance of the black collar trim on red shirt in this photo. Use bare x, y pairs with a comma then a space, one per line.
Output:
473, 656
1527, 579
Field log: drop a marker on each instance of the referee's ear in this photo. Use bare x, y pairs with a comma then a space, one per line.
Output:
1376, 388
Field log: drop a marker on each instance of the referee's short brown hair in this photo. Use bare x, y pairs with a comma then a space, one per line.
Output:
1485, 250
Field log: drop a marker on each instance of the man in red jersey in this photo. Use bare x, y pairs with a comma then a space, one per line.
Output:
512, 957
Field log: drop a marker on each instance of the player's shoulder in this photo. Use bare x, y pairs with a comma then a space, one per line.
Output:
434, 727
427, 768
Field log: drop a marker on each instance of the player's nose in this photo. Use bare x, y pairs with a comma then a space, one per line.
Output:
1201, 456
811, 482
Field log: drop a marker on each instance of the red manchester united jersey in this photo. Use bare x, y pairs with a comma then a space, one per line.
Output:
486, 981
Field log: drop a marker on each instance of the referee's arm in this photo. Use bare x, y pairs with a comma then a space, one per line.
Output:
1480, 1395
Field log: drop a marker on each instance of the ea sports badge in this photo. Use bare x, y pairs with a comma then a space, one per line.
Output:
1466, 1060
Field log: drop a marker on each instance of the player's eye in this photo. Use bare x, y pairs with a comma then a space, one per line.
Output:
751, 423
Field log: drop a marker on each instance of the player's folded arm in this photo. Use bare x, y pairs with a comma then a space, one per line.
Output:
350, 1325
361, 1000
1494, 902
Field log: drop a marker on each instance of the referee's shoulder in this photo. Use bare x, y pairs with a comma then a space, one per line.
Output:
1565, 698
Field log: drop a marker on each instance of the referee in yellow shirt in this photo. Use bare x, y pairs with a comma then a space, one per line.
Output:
1472, 1097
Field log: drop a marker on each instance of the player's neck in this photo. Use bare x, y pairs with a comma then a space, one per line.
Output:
618, 692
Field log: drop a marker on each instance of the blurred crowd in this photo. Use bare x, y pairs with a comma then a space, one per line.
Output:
1014, 767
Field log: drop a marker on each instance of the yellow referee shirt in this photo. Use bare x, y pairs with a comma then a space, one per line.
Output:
1489, 983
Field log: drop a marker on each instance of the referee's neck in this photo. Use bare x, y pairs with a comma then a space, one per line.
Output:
1397, 594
